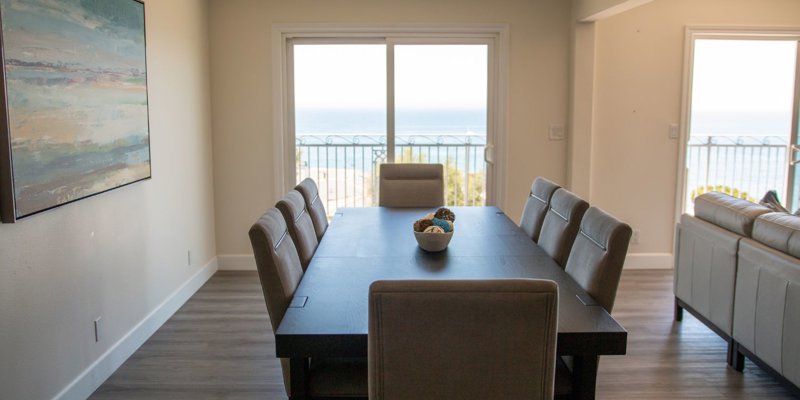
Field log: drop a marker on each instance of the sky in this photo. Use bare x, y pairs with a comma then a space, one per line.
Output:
426, 76
743, 75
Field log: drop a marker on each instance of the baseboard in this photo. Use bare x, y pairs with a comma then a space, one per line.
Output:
237, 262
93, 376
649, 261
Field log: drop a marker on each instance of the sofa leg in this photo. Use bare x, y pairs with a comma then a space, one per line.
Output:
735, 357
678, 311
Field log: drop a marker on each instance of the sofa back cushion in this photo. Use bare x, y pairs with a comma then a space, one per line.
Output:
731, 213
780, 231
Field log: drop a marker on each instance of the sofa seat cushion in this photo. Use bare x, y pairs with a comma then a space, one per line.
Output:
780, 231
731, 213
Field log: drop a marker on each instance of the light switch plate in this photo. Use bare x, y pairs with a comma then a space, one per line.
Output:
556, 132
673, 131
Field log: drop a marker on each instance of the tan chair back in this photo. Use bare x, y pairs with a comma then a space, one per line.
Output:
278, 269
561, 225
308, 188
598, 255
478, 339
411, 185
536, 206
301, 229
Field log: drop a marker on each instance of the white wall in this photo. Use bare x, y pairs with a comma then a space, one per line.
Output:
120, 254
242, 86
638, 81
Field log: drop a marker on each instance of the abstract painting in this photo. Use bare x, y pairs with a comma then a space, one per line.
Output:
75, 117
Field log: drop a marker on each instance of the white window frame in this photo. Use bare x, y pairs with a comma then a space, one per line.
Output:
693, 33
494, 35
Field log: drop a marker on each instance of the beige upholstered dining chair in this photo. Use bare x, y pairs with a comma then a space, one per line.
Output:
450, 339
280, 272
411, 185
301, 229
308, 188
595, 262
536, 206
561, 225
598, 254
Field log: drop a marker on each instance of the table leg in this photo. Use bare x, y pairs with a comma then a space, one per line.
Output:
584, 377
298, 378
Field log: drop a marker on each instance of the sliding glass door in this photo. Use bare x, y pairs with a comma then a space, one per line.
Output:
340, 119
440, 99
358, 103
743, 117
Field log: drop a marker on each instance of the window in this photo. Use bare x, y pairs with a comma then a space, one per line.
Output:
352, 103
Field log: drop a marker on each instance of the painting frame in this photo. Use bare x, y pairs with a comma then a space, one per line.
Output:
126, 168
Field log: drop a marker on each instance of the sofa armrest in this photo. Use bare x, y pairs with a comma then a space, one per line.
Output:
705, 270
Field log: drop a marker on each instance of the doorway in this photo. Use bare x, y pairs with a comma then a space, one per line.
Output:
353, 103
742, 116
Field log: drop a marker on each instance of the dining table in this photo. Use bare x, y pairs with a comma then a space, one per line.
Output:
328, 315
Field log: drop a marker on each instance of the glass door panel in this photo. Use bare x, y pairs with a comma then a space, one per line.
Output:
741, 117
340, 120
440, 98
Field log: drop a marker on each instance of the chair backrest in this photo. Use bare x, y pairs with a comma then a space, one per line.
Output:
561, 225
308, 188
536, 206
598, 255
301, 229
411, 185
450, 339
277, 263
278, 267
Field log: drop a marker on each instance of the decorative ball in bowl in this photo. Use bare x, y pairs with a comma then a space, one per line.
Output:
434, 231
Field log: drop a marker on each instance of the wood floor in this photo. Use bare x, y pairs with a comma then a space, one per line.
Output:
219, 345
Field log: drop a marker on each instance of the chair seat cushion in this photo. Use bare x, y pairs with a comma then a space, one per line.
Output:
338, 377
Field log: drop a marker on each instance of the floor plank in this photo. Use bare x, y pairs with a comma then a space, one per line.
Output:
219, 346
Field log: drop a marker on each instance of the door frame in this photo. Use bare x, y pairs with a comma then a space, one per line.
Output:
692, 33
496, 35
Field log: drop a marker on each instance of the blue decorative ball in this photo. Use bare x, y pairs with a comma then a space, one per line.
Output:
446, 226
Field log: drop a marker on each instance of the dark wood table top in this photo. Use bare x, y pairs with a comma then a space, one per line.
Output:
328, 317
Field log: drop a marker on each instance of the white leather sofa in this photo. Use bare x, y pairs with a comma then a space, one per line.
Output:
737, 269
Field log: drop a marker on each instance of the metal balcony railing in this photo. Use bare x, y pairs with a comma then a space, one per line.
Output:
748, 165
345, 166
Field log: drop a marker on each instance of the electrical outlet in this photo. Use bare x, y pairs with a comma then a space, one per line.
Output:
97, 329
556, 132
188, 257
635, 237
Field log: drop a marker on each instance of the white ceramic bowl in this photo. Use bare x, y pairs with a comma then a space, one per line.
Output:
433, 242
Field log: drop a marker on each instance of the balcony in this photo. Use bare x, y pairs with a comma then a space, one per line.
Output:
744, 166
345, 166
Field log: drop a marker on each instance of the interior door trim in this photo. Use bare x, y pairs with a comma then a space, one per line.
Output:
692, 33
